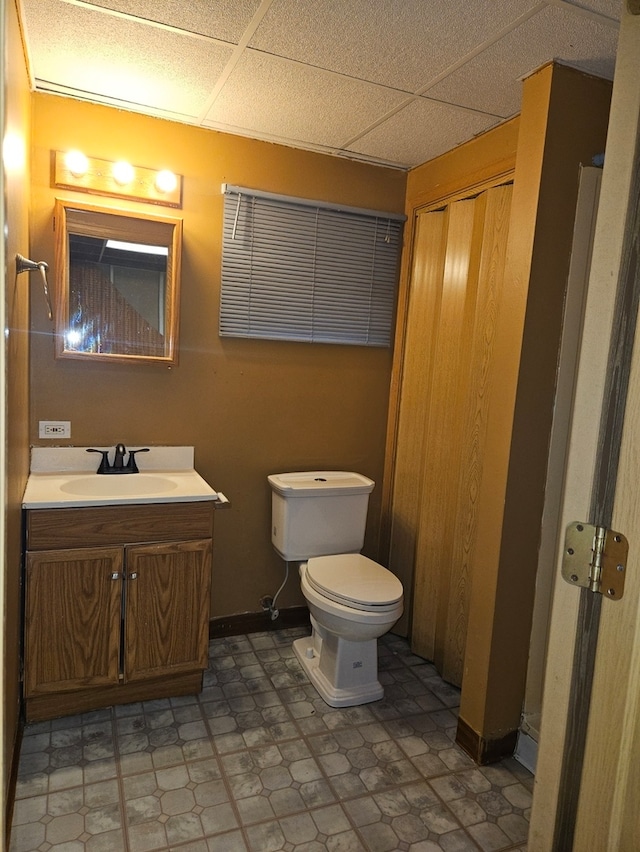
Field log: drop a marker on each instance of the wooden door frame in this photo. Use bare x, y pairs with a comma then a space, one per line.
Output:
6, 738
589, 486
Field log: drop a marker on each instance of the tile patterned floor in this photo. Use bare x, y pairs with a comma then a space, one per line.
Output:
259, 762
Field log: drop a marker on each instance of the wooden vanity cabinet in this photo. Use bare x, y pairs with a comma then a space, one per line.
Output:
125, 616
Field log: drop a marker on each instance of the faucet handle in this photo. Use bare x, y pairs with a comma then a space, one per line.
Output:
104, 465
131, 463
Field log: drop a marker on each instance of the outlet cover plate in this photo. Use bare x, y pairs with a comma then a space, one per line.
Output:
52, 429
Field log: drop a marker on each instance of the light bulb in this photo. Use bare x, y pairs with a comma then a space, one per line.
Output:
76, 162
123, 172
166, 181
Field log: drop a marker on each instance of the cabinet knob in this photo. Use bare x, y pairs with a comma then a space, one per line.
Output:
133, 576
115, 576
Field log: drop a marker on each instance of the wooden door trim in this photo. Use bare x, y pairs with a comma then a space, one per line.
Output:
468, 169
602, 502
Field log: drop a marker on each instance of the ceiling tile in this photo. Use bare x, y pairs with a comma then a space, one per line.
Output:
135, 64
421, 131
404, 45
491, 81
608, 8
225, 21
322, 73
287, 100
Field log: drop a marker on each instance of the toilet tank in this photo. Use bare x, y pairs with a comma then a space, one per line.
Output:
318, 513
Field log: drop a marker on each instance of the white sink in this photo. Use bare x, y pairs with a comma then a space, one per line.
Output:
116, 485
57, 489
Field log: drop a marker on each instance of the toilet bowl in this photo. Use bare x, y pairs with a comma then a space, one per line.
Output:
352, 601
318, 521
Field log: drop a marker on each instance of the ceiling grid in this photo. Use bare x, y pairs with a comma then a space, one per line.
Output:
387, 82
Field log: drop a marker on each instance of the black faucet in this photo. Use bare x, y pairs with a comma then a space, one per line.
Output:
118, 459
118, 465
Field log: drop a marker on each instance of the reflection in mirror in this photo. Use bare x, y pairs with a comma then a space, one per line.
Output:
118, 278
116, 296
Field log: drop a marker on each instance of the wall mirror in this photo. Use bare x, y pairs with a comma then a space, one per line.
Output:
117, 284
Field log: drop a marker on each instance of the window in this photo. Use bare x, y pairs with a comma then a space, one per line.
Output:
301, 270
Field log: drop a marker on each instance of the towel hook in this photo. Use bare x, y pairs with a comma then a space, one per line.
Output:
25, 265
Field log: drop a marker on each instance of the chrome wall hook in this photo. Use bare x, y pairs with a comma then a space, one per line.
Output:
23, 264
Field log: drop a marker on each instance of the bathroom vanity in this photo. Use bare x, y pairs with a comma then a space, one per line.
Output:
117, 589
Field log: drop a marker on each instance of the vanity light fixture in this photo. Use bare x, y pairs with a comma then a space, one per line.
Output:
77, 163
75, 170
166, 181
123, 173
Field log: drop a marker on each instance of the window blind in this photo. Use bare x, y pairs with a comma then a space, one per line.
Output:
307, 271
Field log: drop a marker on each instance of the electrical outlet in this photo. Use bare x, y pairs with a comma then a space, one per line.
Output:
54, 429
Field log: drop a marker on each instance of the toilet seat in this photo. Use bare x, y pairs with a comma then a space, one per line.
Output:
354, 580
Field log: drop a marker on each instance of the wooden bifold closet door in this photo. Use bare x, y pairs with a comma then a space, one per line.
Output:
456, 283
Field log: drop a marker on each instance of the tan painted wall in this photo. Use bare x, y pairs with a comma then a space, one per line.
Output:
250, 408
16, 182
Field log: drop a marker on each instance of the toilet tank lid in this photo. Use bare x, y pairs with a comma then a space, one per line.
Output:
320, 483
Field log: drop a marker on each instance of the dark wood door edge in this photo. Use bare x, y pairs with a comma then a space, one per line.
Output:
482, 750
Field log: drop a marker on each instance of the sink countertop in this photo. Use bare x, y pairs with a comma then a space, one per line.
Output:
65, 477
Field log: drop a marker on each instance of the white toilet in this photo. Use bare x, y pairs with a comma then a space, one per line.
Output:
318, 522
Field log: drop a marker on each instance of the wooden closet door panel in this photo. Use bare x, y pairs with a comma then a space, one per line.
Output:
482, 370
420, 338
456, 286
441, 464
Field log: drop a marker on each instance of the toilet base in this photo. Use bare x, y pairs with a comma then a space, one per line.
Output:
344, 673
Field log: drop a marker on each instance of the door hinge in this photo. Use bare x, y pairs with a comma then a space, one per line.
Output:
595, 558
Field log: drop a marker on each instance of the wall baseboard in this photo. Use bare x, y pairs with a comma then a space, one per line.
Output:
527, 752
483, 750
12, 782
257, 622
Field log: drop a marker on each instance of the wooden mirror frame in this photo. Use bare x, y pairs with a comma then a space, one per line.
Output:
73, 217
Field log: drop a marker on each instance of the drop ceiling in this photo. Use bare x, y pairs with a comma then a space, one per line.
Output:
393, 82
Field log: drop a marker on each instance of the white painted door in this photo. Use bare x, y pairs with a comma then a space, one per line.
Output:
604, 786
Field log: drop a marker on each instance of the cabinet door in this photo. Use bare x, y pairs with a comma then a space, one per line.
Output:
72, 619
167, 609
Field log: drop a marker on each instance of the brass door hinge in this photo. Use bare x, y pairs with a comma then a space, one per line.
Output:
595, 558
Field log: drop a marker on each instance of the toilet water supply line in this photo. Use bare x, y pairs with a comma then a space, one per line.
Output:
268, 603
